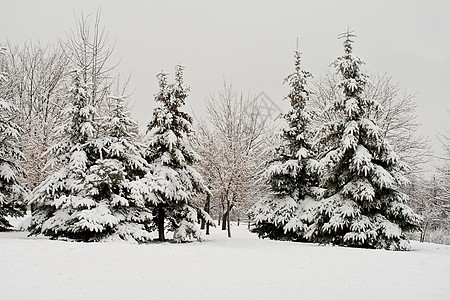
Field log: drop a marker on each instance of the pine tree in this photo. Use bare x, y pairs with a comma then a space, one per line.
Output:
116, 177
12, 193
62, 207
281, 214
362, 204
93, 194
171, 158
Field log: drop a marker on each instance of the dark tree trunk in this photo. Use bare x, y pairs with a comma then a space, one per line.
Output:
423, 233
203, 225
226, 218
161, 218
207, 229
224, 221
222, 217
229, 207
207, 209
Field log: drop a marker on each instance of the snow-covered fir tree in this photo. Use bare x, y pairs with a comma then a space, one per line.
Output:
117, 176
362, 205
281, 214
171, 158
93, 194
12, 193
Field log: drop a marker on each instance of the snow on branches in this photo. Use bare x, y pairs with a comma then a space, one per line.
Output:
97, 192
361, 188
170, 158
12, 193
353, 173
289, 173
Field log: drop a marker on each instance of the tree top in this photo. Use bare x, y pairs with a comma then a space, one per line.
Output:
348, 35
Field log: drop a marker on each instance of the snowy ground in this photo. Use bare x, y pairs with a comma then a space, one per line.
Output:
243, 267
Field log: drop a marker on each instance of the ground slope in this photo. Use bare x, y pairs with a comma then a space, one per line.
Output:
243, 267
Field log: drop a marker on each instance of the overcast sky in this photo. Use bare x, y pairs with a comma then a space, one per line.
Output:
250, 43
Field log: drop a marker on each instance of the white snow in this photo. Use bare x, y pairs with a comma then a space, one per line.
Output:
362, 160
243, 267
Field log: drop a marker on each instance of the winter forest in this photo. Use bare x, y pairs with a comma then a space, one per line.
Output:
343, 167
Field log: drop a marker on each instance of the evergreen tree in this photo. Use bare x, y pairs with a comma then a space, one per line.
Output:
171, 158
93, 194
117, 176
11, 191
362, 205
281, 214
60, 204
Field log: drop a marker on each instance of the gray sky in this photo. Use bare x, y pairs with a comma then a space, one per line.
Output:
250, 43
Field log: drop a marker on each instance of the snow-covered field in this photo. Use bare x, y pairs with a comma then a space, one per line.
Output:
243, 267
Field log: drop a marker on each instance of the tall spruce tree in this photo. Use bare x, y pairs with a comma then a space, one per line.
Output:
92, 195
362, 204
116, 177
171, 158
12, 193
61, 206
289, 174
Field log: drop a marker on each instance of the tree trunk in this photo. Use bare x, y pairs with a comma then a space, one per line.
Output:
207, 209
207, 229
224, 221
228, 217
224, 214
423, 233
202, 225
161, 217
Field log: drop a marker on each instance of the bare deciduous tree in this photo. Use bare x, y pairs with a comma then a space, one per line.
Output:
89, 51
37, 85
231, 143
